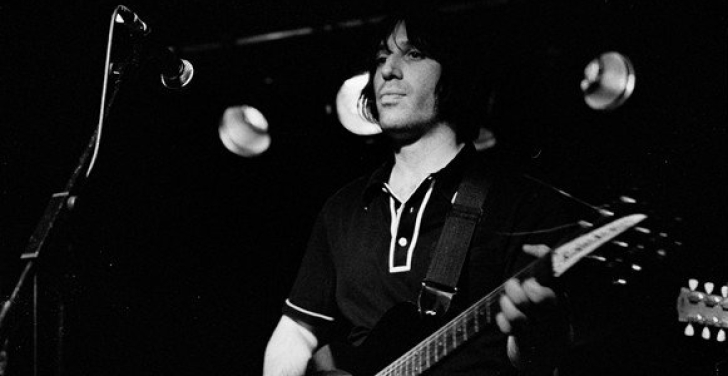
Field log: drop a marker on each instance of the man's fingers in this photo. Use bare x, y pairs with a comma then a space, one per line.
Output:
515, 292
503, 324
510, 318
536, 293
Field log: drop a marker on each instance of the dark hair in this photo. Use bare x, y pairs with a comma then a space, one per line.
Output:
439, 37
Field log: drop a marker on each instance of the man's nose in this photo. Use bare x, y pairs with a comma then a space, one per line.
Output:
391, 69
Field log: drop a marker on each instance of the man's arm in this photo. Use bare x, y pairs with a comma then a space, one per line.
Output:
289, 350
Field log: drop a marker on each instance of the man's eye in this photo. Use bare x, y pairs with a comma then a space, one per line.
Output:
415, 54
380, 59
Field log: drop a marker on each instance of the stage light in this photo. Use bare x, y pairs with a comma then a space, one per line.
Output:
608, 81
347, 107
243, 131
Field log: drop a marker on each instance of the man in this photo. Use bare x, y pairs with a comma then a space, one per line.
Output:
370, 248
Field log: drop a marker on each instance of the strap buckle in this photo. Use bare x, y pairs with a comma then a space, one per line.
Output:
433, 301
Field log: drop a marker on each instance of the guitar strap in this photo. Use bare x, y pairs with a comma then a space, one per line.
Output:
440, 284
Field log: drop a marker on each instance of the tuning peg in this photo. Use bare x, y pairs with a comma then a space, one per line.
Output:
636, 267
689, 330
627, 200
706, 333
596, 258
619, 281
696, 297
620, 243
708, 287
721, 336
712, 300
693, 284
724, 291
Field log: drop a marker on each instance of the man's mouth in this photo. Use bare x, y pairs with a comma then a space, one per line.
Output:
390, 98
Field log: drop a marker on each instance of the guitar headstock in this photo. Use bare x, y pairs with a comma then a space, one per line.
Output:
707, 309
625, 237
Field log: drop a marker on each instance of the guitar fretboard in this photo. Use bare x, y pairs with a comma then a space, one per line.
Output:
446, 339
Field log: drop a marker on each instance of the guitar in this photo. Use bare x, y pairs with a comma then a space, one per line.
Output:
605, 235
704, 309
705, 312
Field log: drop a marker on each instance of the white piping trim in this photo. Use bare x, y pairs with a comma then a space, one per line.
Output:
314, 314
396, 216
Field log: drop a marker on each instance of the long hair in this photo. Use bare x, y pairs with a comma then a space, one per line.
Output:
440, 38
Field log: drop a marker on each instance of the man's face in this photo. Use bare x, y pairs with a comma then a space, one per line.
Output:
404, 85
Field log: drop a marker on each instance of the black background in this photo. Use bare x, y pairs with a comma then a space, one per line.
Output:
179, 253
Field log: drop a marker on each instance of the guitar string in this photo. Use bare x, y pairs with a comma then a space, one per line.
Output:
540, 231
485, 301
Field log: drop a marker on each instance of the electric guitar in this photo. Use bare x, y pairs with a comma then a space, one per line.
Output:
707, 309
622, 241
705, 313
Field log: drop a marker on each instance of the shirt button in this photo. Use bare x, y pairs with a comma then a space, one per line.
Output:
402, 242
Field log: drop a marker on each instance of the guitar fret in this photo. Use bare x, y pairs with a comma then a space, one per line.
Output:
445, 340
429, 354
465, 329
451, 338
440, 342
487, 313
462, 334
476, 321
450, 341
426, 366
415, 364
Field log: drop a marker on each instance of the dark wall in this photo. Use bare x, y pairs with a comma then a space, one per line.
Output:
179, 253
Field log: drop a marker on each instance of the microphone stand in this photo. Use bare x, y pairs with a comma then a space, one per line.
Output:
56, 212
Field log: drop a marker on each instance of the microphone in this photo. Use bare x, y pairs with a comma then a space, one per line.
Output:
175, 73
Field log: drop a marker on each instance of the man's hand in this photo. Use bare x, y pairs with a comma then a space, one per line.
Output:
530, 315
521, 302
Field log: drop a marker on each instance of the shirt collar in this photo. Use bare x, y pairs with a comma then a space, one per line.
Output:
448, 177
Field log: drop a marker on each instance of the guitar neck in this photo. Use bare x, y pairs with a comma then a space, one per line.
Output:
448, 338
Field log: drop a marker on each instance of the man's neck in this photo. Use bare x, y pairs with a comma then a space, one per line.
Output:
414, 162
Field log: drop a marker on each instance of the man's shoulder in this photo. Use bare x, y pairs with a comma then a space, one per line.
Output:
351, 193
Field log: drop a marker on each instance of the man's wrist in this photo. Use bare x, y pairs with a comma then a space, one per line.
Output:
540, 345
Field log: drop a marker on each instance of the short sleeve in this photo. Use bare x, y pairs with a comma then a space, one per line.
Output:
312, 298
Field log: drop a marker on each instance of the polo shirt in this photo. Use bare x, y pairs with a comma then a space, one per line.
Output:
369, 251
